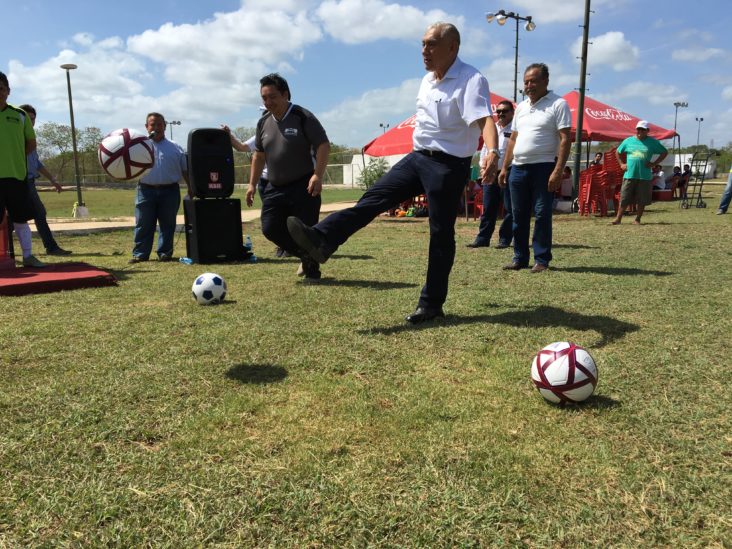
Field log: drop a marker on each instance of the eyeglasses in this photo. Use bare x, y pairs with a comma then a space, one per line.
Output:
502, 111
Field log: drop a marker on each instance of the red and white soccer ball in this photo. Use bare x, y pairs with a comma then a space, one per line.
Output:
564, 372
126, 154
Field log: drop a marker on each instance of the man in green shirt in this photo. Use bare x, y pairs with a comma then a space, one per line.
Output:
17, 140
634, 156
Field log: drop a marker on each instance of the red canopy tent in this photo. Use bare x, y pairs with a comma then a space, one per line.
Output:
605, 123
398, 140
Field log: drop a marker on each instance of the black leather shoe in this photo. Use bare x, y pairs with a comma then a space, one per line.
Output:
514, 267
309, 240
58, 251
477, 244
502, 245
424, 314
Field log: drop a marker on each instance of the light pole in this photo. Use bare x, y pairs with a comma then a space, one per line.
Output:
79, 201
383, 127
172, 123
698, 130
501, 16
677, 139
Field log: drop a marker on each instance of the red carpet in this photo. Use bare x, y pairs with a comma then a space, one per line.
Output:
53, 278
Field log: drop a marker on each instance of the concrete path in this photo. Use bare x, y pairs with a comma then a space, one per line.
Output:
83, 226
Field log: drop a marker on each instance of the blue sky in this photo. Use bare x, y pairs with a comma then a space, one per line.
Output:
354, 63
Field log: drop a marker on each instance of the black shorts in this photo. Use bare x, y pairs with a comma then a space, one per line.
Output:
14, 197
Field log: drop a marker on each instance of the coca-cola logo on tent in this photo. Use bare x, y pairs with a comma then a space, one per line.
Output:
608, 114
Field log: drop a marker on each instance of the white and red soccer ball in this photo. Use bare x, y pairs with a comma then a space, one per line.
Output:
126, 154
564, 372
209, 289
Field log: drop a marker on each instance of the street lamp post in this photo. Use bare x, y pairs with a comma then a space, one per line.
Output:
383, 127
79, 201
698, 130
172, 123
677, 139
501, 16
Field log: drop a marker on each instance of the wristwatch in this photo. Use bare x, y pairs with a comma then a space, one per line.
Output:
496, 151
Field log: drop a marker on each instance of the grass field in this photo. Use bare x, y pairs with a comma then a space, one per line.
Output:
110, 203
310, 415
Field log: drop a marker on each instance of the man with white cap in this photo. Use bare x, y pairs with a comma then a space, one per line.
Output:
634, 155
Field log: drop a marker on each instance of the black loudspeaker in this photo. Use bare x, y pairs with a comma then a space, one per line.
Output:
213, 230
210, 163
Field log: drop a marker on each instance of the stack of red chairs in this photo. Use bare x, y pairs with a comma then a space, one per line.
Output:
593, 191
475, 203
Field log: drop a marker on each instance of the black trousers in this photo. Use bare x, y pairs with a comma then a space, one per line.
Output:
278, 203
442, 179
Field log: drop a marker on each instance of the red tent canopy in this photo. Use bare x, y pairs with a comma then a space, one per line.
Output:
605, 123
398, 140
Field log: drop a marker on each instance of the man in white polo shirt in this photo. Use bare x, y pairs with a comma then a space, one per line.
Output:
537, 152
453, 109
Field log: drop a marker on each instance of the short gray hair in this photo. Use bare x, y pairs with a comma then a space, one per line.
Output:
543, 69
446, 30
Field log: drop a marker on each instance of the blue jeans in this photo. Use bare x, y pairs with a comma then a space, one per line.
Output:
493, 195
442, 179
155, 206
39, 216
726, 195
529, 193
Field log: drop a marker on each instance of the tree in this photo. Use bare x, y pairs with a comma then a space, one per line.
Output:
372, 172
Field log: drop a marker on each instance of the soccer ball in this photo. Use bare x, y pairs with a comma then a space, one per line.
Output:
564, 372
126, 154
209, 289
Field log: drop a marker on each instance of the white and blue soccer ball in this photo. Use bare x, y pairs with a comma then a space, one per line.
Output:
209, 289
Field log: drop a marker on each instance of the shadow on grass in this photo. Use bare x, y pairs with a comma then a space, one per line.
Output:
543, 316
595, 402
370, 284
612, 271
575, 246
256, 373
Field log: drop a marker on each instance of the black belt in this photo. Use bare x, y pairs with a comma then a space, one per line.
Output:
163, 186
439, 155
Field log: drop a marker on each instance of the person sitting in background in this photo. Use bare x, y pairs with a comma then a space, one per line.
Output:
658, 180
565, 191
598, 160
684, 181
673, 180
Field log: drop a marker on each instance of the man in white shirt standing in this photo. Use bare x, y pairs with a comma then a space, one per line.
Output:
453, 109
494, 194
537, 152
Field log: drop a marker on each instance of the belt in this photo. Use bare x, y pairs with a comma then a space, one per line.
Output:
439, 155
163, 186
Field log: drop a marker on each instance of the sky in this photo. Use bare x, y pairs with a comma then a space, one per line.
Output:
356, 64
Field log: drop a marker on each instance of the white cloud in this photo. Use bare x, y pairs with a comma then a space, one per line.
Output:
363, 21
83, 38
611, 48
727, 93
651, 92
560, 11
697, 54
356, 120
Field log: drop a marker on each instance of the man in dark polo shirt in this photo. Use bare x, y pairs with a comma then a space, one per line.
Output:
287, 139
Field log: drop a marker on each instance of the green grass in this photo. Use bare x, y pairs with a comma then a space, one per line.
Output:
298, 415
106, 203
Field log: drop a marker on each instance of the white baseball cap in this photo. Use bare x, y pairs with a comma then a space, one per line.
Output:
642, 124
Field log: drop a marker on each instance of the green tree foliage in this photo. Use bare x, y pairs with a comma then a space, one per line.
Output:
371, 173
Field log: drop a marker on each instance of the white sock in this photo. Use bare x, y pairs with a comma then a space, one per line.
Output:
24, 237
